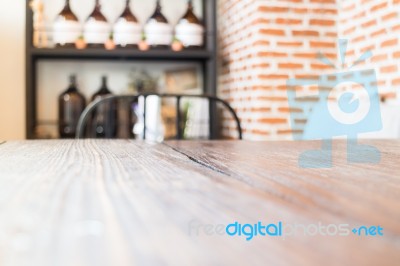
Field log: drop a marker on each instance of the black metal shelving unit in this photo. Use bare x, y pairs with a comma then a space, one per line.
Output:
207, 57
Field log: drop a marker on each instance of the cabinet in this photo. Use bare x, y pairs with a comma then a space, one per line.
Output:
39, 59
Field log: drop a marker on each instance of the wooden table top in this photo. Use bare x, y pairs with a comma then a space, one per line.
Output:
121, 202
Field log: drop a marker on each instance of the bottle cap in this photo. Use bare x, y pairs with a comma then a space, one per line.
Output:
72, 79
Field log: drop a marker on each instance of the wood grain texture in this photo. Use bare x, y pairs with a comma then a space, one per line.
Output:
355, 193
100, 202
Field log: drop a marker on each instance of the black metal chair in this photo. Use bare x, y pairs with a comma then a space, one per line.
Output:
212, 101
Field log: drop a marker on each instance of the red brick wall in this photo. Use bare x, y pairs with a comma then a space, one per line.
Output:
374, 25
263, 43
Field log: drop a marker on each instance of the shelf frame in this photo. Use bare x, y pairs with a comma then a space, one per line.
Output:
206, 57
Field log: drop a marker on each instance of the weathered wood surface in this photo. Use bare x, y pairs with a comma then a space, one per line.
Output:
96, 202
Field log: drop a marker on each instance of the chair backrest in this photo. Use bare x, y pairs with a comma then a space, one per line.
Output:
90, 110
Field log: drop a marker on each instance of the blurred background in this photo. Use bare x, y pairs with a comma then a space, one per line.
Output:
253, 47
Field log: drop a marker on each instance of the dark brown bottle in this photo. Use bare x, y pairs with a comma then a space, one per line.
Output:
71, 104
104, 120
189, 30
157, 29
96, 29
127, 29
66, 28
126, 119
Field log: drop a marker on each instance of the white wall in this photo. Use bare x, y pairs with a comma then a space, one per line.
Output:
12, 69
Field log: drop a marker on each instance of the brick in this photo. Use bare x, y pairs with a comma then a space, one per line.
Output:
379, 32
261, 43
389, 16
274, 32
367, 48
261, 109
349, 7
389, 69
301, 121
378, 7
290, 110
290, 66
273, 9
308, 99
323, 1
305, 33
350, 30
359, 39
322, 22
331, 34
293, 1
396, 28
396, 82
317, 44
396, 55
286, 21
369, 23
292, 44
289, 131
261, 65
392, 42
305, 55
273, 99
387, 96
273, 76
260, 132
272, 54
300, 10
320, 66
325, 11
283, 87
359, 15
273, 120
309, 77
378, 58
261, 21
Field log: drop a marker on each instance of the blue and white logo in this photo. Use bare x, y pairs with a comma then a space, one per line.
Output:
348, 105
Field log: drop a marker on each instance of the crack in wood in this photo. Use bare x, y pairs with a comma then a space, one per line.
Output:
197, 161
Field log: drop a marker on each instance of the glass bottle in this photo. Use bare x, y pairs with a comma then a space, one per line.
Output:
127, 30
66, 27
104, 120
96, 29
189, 30
71, 104
157, 29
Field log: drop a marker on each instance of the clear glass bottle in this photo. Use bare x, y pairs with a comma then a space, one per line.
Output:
189, 30
104, 120
96, 29
127, 30
66, 28
71, 104
157, 29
